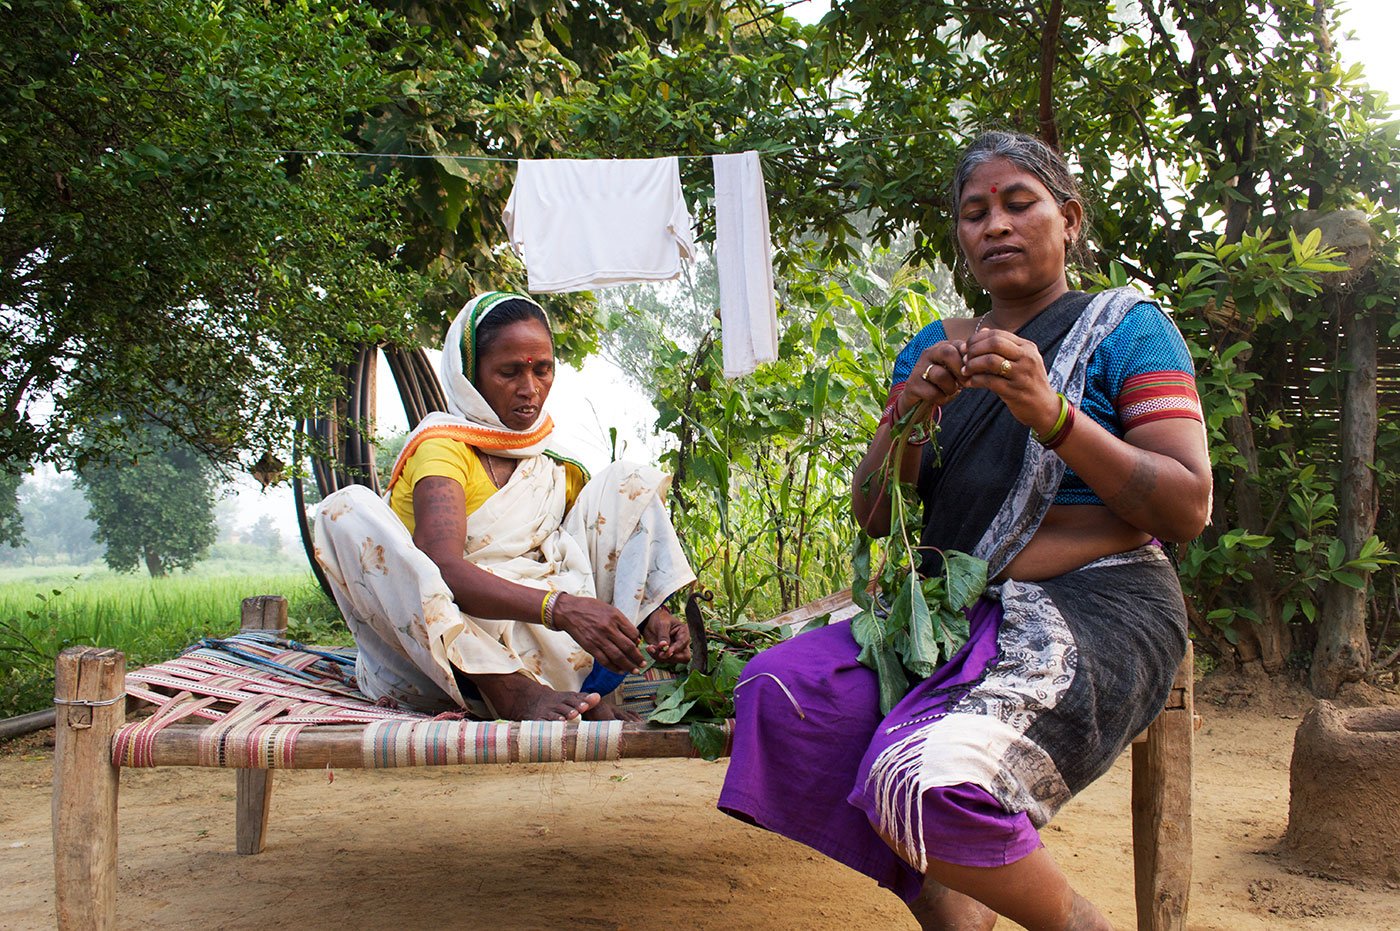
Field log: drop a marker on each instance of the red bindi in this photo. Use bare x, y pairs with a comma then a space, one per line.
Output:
994, 188
529, 361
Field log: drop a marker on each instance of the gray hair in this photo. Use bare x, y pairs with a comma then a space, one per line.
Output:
1029, 154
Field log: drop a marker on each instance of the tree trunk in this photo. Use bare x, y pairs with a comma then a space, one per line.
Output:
154, 564
1343, 652
1269, 641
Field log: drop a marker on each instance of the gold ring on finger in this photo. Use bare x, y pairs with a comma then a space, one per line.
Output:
927, 369
1005, 369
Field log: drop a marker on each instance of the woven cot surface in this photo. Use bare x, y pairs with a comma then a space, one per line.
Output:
253, 698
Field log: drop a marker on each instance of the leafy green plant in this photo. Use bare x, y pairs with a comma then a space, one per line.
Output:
705, 700
907, 627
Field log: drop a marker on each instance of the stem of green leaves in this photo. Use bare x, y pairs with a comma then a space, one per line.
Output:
924, 623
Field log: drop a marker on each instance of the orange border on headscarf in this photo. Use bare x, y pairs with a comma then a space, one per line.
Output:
479, 437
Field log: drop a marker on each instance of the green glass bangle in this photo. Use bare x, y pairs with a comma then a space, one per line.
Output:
1049, 438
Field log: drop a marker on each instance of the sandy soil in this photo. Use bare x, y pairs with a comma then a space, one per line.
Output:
632, 845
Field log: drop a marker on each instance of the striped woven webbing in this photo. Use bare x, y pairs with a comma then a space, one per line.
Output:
388, 744
257, 711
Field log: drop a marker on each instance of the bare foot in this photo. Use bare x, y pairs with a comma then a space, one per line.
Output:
516, 697
606, 712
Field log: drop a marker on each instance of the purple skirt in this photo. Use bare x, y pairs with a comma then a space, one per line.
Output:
804, 776
1054, 682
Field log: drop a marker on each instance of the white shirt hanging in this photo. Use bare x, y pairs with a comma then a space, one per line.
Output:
744, 259
580, 224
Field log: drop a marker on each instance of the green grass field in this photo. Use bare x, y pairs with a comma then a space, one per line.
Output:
45, 609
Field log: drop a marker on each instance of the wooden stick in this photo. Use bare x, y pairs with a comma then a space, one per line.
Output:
811, 609
269, 613
265, 612
23, 724
88, 689
1162, 787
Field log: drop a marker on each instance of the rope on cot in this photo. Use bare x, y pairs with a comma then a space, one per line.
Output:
340, 658
269, 639
343, 657
255, 660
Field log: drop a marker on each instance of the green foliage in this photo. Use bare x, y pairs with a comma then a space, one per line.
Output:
705, 700
157, 234
157, 509
907, 626
762, 464
11, 520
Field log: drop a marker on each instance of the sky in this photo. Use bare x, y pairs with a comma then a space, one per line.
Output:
586, 403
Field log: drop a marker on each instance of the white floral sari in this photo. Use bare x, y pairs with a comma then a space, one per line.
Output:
616, 543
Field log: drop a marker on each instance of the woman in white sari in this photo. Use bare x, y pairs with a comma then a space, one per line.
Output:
494, 575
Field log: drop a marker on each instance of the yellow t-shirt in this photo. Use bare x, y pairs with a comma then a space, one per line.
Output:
456, 460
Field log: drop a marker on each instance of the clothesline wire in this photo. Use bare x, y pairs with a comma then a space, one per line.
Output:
776, 150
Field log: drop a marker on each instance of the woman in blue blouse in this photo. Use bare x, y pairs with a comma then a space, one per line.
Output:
1069, 445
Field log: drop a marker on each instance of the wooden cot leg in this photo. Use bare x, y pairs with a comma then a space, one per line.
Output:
89, 685
1162, 786
267, 613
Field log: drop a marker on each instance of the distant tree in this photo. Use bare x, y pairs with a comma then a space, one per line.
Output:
56, 527
226, 519
264, 533
156, 508
386, 451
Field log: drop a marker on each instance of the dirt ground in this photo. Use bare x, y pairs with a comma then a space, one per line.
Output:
631, 845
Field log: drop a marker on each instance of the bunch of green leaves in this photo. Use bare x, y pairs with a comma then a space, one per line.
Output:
762, 464
908, 626
705, 700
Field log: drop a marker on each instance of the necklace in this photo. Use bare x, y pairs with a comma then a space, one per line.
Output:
490, 462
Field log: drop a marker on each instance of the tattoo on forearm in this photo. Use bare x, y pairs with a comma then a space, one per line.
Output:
1132, 498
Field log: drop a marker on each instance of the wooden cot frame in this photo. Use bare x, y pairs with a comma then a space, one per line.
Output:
90, 697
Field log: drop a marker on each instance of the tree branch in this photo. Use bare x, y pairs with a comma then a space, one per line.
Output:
1049, 49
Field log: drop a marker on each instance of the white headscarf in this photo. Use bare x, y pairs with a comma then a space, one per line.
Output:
471, 419
458, 365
